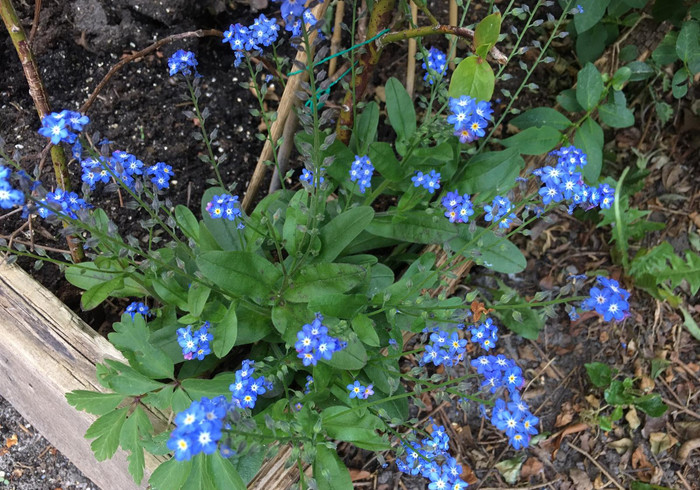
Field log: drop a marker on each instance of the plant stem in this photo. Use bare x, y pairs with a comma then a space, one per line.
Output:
41, 102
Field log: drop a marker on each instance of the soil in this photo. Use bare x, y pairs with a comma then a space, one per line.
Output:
77, 43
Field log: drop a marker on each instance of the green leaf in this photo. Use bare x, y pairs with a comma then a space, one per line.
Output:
688, 42
211, 388
615, 113
650, 404
495, 252
330, 472
665, 53
187, 222
131, 336
663, 111
180, 400
225, 333
534, 141
129, 381
170, 475
491, 171
690, 324
364, 328
384, 160
413, 227
472, 77
657, 366
601, 374
591, 44
338, 305
399, 108
169, 291
352, 358
621, 76
366, 128
486, 34
320, 279
510, 468
679, 85
567, 99
638, 485
339, 232
348, 425
593, 12
136, 426
94, 402
589, 138
197, 297
100, 292
640, 71
89, 274
223, 473
200, 477
618, 394
239, 273
161, 399
106, 430
541, 116
589, 87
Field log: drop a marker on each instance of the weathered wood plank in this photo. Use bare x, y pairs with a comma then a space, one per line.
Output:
47, 351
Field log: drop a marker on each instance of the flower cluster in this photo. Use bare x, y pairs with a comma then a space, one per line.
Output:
498, 371
424, 460
445, 349
307, 177
137, 307
485, 334
313, 342
124, 167
360, 392
198, 428
469, 117
515, 419
160, 174
500, 211
294, 12
182, 62
430, 181
9, 197
60, 201
59, 126
262, 33
457, 208
195, 344
564, 181
226, 206
361, 172
435, 65
245, 389
609, 301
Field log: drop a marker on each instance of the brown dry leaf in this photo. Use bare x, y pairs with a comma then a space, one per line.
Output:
593, 401
17, 473
604, 336
598, 482
661, 442
526, 353
688, 430
685, 449
468, 475
11, 441
646, 384
580, 479
356, 474
641, 463
479, 309
566, 415
622, 445
632, 418
531, 467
